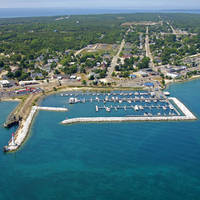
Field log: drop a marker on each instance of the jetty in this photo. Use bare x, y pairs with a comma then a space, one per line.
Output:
52, 109
24, 127
187, 115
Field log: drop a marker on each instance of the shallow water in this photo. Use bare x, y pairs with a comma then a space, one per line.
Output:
145, 160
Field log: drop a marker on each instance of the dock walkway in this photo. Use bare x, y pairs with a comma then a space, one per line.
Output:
187, 116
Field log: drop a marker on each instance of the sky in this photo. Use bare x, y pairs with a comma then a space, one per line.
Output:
110, 4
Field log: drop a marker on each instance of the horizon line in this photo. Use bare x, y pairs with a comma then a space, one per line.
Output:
116, 8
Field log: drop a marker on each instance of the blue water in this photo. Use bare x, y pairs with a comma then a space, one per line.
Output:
123, 109
35, 12
105, 161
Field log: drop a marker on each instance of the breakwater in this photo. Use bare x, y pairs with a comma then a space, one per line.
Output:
24, 127
188, 115
52, 109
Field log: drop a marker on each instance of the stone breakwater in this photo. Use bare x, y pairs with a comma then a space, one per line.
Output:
21, 132
52, 109
187, 116
183, 108
24, 128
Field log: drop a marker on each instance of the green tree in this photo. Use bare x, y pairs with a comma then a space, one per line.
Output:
84, 82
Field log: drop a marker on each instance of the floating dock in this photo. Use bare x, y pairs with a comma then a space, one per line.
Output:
24, 127
187, 116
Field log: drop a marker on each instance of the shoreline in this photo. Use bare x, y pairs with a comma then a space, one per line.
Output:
181, 81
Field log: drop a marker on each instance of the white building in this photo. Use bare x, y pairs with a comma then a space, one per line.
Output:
23, 83
4, 83
73, 77
172, 75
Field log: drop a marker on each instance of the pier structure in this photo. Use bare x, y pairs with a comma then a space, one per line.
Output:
121, 97
113, 99
183, 108
188, 115
23, 129
52, 109
137, 107
21, 132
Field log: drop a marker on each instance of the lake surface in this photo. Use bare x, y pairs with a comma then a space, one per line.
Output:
37, 12
104, 161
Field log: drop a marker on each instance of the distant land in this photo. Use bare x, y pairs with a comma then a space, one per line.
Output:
36, 12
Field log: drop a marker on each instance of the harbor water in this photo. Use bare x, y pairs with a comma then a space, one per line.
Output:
138, 160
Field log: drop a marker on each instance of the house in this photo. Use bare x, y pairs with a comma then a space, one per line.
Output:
40, 58
158, 61
127, 50
52, 60
127, 55
143, 74
67, 52
106, 56
72, 77
36, 75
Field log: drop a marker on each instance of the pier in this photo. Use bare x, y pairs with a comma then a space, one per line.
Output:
187, 116
24, 127
125, 119
52, 109
183, 108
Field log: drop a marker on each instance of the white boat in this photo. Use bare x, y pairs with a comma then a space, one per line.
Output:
136, 108
145, 114
71, 100
141, 107
171, 107
164, 108
166, 93
107, 109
